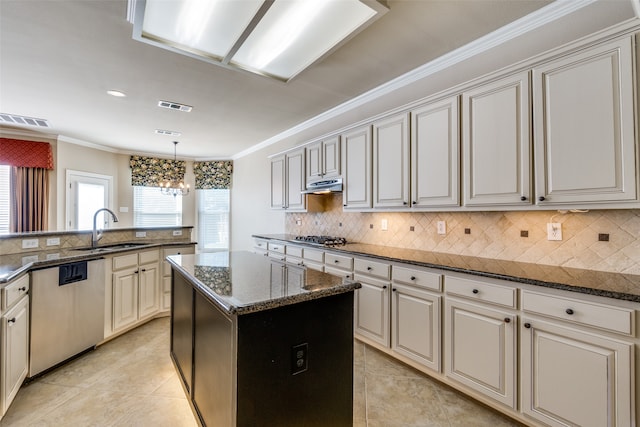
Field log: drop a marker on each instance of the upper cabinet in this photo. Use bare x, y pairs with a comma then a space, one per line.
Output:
323, 159
391, 162
435, 155
584, 127
288, 181
496, 135
356, 169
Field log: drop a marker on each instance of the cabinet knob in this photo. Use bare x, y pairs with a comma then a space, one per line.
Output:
569, 311
414, 203
179, 253
541, 198
384, 287
136, 272
144, 269
412, 278
336, 261
22, 289
527, 325
12, 320
507, 320
404, 203
393, 289
523, 198
344, 206
475, 291
369, 268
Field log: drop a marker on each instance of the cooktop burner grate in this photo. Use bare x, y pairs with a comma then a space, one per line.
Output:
323, 240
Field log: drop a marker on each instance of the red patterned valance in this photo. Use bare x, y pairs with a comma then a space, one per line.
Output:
25, 154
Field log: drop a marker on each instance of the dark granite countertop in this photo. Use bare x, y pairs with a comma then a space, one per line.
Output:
14, 265
243, 282
612, 285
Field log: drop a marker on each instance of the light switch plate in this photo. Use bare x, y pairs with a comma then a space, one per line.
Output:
55, 241
442, 227
141, 234
177, 232
384, 225
30, 243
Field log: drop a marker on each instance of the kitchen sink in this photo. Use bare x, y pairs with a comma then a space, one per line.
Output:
112, 247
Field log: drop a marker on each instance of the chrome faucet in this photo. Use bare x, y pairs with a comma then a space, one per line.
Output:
97, 235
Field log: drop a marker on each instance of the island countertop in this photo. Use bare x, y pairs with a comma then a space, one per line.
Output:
244, 282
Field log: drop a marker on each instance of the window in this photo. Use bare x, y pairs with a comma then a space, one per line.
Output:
5, 173
213, 219
151, 208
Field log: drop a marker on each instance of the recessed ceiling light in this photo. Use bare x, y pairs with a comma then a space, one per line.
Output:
116, 93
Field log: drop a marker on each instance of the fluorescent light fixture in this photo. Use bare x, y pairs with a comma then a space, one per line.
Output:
275, 38
116, 93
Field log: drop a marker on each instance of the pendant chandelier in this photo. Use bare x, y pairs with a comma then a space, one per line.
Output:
173, 187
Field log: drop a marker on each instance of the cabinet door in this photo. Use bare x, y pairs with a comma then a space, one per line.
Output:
480, 344
182, 297
295, 174
415, 325
584, 127
125, 298
15, 350
372, 309
278, 181
356, 158
391, 162
435, 154
149, 290
571, 377
496, 143
331, 157
314, 161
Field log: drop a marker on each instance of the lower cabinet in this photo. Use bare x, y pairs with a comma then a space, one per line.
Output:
372, 309
15, 348
165, 293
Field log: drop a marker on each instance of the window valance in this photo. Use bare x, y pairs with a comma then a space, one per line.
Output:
152, 172
25, 154
214, 174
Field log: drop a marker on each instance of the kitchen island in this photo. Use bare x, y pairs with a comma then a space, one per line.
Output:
262, 342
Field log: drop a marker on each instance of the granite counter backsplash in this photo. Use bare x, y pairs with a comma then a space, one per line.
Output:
612, 285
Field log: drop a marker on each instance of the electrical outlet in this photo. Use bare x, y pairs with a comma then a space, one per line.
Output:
177, 232
141, 234
554, 231
29, 259
30, 243
53, 242
442, 227
299, 222
53, 256
384, 225
299, 356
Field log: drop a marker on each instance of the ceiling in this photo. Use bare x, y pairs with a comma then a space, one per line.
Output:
58, 59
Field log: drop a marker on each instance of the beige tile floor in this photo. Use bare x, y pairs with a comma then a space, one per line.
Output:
130, 381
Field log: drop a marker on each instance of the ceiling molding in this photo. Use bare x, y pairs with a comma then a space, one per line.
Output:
543, 16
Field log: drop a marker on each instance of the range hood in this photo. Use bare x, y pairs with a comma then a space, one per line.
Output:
324, 187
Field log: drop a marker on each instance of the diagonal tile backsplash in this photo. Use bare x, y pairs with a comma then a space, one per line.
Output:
491, 234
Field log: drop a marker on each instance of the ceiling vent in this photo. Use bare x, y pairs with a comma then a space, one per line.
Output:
175, 106
168, 132
22, 120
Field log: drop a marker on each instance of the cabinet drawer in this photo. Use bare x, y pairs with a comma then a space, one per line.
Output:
338, 261
14, 291
148, 257
481, 291
372, 268
276, 247
313, 255
261, 244
294, 251
410, 276
125, 261
313, 265
338, 272
616, 319
293, 259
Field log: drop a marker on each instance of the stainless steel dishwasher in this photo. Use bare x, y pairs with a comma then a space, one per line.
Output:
67, 312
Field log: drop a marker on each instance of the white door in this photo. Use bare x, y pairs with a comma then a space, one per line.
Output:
86, 193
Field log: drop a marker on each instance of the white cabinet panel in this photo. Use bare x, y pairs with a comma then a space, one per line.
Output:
356, 158
372, 309
391, 162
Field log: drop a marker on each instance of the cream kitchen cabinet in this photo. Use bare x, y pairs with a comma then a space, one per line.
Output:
313, 259
585, 148
14, 350
338, 265
356, 169
496, 143
288, 181
480, 337
166, 273
435, 154
260, 246
136, 288
577, 362
391, 162
415, 315
371, 315
323, 159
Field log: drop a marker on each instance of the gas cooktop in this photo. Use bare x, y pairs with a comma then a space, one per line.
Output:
323, 240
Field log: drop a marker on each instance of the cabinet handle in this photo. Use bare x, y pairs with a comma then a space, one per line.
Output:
369, 268
404, 203
569, 311
523, 199
12, 320
475, 291
178, 253
144, 269
527, 325
393, 289
541, 198
507, 320
412, 278
384, 287
136, 272
336, 261
22, 289
414, 203
344, 206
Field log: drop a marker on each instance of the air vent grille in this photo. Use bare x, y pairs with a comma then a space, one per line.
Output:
168, 132
175, 106
23, 120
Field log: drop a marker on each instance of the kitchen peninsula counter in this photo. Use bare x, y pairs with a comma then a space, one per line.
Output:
258, 341
594, 282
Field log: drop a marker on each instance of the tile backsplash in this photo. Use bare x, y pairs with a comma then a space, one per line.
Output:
490, 234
